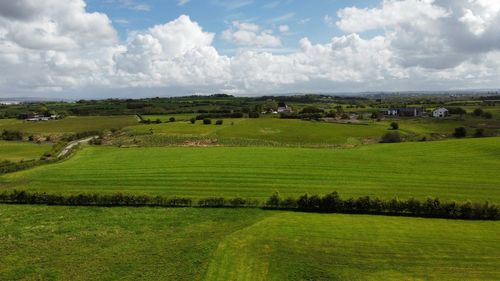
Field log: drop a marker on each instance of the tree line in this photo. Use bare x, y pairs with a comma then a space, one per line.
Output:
431, 207
329, 203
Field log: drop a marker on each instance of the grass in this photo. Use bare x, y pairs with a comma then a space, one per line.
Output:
17, 151
85, 243
266, 131
69, 124
450, 170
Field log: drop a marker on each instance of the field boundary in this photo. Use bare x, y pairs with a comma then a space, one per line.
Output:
329, 203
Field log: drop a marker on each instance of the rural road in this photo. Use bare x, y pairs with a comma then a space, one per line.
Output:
72, 144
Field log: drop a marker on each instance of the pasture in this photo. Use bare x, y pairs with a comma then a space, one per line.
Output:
450, 170
69, 124
88, 243
265, 131
17, 150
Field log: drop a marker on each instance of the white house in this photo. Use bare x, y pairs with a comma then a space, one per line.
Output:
286, 108
440, 112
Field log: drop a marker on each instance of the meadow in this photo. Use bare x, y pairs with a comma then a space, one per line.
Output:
17, 150
88, 243
70, 124
450, 170
263, 131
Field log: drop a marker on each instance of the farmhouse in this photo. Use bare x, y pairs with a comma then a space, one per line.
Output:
283, 108
35, 117
440, 112
405, 112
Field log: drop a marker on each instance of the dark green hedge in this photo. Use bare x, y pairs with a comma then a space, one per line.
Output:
330, 203
432, 207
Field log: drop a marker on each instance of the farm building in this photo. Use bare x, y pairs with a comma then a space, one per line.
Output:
405, 112
285, 109
440, 112
34, 117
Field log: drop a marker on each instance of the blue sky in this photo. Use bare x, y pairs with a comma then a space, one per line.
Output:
304, 18
133, 48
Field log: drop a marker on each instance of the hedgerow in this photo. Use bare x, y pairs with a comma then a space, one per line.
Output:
329, 203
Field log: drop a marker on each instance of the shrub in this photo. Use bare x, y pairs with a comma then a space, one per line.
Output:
171, 119
219, 122
311, 110
456, 110
274, 200
394, 125
478, 112
192, 120
391, 137
11, 135
460, 132
479, 133
253, 115
487, 115
207, 121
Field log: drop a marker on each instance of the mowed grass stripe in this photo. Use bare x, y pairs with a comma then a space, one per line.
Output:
451, 170
90, 243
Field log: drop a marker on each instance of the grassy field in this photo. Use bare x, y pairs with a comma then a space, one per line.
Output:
17, 151
69, 124
451, 170
266, 131
85, 243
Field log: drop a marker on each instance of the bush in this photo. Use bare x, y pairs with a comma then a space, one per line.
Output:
253, 115
479, 133
432, 207
12, 135
391, 137
219, 122
394, 125
192, 120
311, 110
487, 115
457, 110
207, 121
171, 119
460, 132
478, 112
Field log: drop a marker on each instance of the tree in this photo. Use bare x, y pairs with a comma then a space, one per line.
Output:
487, 115
171, 119
460, 132
219, 122
479, 133
391, 137
207, 121
478, 112
457, 110
12, 135
311, 110
274, 200
394, 125
253, 114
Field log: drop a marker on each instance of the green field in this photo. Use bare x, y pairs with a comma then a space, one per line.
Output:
85, 243
17, 151
450, 170
69, 124
265, 131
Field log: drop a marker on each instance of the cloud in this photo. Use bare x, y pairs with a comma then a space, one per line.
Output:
328, 20
284, 28
133, 5
282, 18
58, 47
182, 2
248, 34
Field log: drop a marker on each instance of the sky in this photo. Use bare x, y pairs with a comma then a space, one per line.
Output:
139, 48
